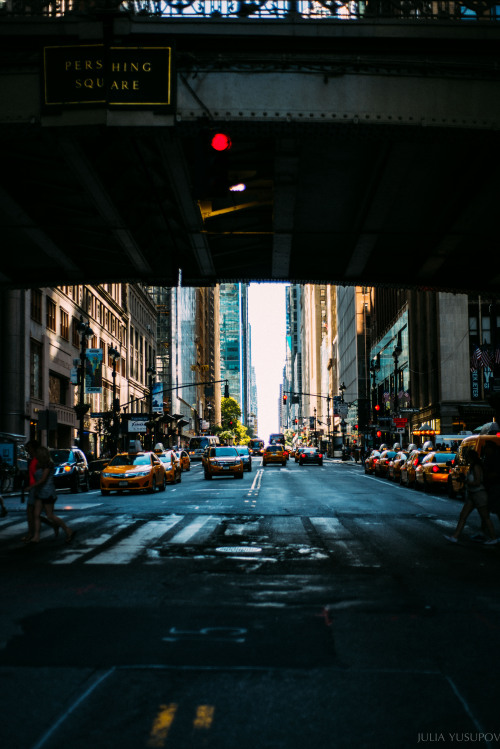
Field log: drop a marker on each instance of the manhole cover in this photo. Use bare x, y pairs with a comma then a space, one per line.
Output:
239, 549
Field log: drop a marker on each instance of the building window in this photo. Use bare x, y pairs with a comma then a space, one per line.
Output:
64, 325
36, 305
36, 381
58, 387
75, 336
51, 314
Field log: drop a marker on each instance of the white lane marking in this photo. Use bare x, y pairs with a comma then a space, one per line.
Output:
187, 533
256, 483
132, 546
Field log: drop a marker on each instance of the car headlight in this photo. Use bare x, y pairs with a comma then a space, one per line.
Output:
107, 475
136, 474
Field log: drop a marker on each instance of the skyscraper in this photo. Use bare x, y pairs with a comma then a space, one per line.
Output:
234, 344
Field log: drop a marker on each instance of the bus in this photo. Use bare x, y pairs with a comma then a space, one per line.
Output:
198, 445
275, 438
256, 446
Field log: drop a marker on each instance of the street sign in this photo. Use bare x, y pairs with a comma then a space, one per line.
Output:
98, 414
400, 422
409, 410
138, 424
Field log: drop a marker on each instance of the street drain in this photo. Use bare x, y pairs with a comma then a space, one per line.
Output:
238, 549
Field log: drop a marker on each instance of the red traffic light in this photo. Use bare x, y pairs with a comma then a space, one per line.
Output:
379, 433
377, 407
221, 142
284, 399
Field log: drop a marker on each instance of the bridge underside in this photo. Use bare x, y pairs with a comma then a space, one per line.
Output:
345, 202
353, 205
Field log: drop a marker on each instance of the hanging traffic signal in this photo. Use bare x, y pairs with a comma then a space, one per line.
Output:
211, 154
296, 421
379, 433
284, 399
377, 407
221, 142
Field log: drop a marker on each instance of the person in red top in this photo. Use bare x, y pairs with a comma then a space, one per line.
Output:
31, 448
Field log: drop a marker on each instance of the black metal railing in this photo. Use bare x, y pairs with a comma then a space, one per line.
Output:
350, 10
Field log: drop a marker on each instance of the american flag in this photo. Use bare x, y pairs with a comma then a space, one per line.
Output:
486, 358
476, 358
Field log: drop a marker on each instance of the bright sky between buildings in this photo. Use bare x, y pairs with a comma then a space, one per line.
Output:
267, 315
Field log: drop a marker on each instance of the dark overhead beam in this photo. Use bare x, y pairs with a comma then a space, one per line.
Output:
177, 172
19, 217
88, 178
285, 192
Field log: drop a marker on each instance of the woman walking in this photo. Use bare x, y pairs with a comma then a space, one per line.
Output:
476, 499
45, 496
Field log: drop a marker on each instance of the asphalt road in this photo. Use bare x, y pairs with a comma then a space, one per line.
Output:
302, 604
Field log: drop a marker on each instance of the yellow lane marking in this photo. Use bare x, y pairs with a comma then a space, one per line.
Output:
204, 717
161, 725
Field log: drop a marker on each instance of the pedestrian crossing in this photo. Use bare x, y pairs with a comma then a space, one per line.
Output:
125, 539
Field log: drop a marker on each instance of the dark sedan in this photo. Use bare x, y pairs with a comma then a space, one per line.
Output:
310, 455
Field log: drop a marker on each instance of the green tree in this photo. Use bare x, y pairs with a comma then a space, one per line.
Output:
230, 413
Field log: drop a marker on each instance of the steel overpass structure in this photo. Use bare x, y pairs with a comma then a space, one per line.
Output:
365, 135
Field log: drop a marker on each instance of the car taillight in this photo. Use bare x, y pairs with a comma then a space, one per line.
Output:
435, 469
320, 455
375, 460
303, 455
67, 469
415, 462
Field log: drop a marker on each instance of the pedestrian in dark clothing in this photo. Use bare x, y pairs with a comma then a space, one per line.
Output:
476, 499
491, 475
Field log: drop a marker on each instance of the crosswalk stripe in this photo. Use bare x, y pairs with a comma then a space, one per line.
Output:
187, 533
71, 555
132, 546
330, 528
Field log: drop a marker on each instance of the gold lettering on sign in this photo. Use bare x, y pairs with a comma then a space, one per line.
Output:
130, 67
83, 65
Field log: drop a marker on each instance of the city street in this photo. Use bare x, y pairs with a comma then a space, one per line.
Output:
309, 604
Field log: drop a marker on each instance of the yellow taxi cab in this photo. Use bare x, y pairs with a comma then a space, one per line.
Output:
184, 459
172, 466
409, 468
371, 461
395, 465
274, 454
461, 464
381, 466
223, 461
433, 471
140, 471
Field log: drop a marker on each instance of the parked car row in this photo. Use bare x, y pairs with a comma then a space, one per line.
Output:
418, 467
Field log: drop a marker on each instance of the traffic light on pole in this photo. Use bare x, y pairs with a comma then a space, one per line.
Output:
212, 165
285, 399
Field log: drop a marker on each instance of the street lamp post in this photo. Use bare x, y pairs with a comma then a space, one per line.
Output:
396, 354
374, 368
343, 427
85, 332
151, 372
114, 355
